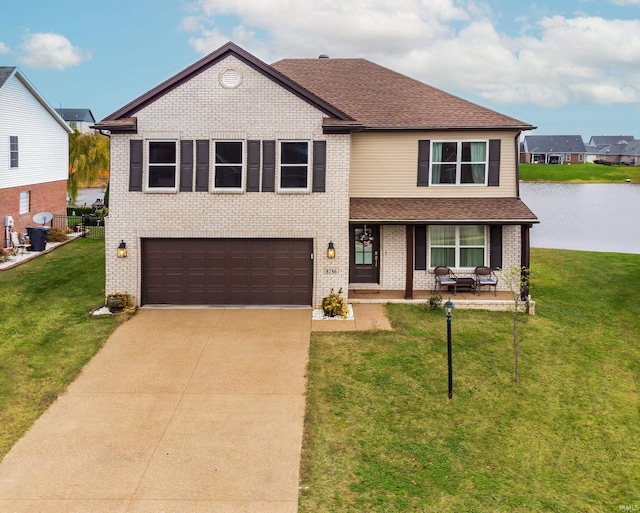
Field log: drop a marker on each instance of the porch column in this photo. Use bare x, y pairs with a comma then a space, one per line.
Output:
525, 257
408, 288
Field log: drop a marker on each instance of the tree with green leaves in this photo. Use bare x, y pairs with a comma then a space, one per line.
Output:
88, 158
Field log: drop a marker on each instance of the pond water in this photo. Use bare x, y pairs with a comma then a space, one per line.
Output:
589, 217
88, 195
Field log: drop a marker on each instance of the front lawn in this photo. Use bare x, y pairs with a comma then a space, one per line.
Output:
46, 333
381, 435
578, 173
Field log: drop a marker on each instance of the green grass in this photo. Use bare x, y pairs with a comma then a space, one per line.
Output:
381, 435
577, 173
47, 334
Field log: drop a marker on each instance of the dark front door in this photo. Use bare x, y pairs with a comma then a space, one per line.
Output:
365, 254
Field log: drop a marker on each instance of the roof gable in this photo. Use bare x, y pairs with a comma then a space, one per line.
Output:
206, 62
5, 75
380, 98
84, 115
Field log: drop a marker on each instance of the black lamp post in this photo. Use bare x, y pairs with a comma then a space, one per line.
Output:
449, 306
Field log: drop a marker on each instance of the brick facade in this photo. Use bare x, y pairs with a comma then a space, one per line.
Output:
258, 109
43, 197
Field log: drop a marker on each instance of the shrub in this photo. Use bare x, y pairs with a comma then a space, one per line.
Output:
57, 235
334, 305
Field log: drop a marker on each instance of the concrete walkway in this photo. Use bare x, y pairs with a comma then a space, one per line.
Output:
182, 411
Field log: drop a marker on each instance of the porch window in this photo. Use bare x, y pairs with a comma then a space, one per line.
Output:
294, 165
457, 246
459, 163
229, 164
13, 151
162, 165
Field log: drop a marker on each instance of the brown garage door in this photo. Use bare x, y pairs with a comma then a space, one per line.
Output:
227, 271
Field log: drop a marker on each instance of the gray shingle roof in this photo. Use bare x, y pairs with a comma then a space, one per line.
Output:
605, 140
5, 73
554, 143
76, 115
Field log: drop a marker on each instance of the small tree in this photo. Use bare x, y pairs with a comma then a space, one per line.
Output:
88, 157
517, 278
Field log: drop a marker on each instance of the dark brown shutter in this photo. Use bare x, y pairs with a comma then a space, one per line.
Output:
420, 255
319, 165
135, 165
202, 165
186, 166
268, 166
495, 246
424, 150
253, 166
494, 162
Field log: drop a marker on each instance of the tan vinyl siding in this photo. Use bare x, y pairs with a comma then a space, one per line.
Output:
385, 164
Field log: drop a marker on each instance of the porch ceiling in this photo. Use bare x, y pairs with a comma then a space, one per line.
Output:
440, 211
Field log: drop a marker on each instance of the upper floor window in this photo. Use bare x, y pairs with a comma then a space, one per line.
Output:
162, 164
459, 162
228, 166
13, 151
294, 165
457, 246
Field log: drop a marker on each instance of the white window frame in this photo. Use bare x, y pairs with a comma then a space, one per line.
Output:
567, 157
14, 153
25, 202
458, 247
580, 157
242, 165
174, 164
280, 166
459, 163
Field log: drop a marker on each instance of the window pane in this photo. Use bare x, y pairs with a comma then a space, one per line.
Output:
443, 256
293, 177
162, 176
229, 152
474, 151
162, 152
228, 176
24, 201
443, 235
13, 150
471, 257
472, 173
447, 152
472, 235
294, 153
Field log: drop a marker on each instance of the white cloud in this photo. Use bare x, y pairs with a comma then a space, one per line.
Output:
626, 2
52, 51
452, 44
4, 48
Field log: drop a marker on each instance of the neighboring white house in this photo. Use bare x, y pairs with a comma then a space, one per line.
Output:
34, 153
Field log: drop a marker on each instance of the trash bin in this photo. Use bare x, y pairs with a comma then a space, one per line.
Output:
38, 237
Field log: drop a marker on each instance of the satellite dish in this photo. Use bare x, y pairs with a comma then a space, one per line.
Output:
42, 217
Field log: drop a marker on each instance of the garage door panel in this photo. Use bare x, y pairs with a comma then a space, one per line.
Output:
227, 271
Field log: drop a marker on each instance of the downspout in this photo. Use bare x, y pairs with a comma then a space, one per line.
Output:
517, 141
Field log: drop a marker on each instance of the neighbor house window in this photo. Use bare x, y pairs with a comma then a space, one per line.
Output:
228, 167
568, 157
13, 151
25, 198
459, 162
457, 246
580, 157
294, 165
162, 164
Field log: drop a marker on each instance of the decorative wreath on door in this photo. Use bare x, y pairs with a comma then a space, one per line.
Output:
366, 239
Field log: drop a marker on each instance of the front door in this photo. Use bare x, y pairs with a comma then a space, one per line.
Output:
365, 254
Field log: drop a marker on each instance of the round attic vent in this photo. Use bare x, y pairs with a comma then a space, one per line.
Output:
230, 78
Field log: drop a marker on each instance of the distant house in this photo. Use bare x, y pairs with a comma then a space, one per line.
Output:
553, 149
34, 154
80, 119
616, 149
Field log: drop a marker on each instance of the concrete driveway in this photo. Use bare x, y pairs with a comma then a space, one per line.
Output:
181, 411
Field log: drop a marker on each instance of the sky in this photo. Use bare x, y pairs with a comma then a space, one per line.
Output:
568, 67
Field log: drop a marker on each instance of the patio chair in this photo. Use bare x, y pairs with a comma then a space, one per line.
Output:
18, 242
484, 276
445, 277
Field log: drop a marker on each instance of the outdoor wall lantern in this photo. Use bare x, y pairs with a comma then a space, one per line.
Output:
448, 307
331, 252
122, 249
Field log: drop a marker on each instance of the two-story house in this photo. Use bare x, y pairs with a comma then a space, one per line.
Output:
237, 182
34, 154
